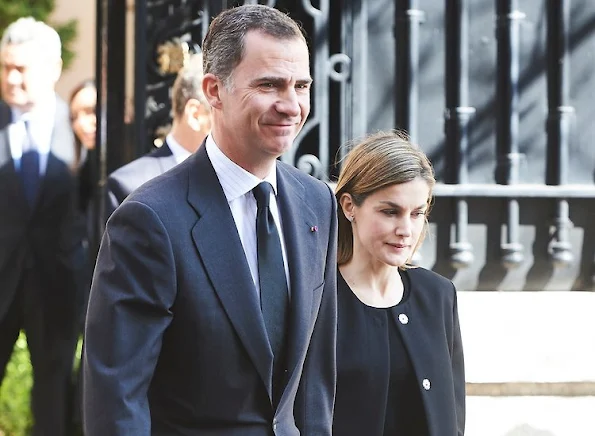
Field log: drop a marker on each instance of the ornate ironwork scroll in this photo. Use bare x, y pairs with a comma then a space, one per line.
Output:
353, 77
170, 31
316, 160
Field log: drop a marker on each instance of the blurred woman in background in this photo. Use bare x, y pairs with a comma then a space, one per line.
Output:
83, 100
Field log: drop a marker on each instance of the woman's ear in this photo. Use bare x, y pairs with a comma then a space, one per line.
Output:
347, 205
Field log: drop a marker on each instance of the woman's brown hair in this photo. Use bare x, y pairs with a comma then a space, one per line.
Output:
379, 160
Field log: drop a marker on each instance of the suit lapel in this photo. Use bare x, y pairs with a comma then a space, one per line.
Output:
14, 187
222, 255
5, 155
5, 119
301, 246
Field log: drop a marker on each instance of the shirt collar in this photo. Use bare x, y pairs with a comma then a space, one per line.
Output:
40, 113
235, 180
179, 152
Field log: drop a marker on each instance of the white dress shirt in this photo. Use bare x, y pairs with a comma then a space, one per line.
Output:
179, 152
41, 128
237, 184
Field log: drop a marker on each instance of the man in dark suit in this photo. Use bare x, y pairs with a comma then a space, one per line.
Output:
189, 329
41, 252
191, 125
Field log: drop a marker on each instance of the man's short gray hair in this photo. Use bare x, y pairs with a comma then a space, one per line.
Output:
188, 85
223, 46
28, 29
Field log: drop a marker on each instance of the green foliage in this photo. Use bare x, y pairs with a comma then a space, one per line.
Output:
11, 10
15, 392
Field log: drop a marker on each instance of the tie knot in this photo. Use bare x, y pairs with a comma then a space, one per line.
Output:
262, 193
29, 143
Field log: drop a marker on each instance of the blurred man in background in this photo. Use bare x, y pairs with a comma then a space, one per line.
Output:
41, 259
191, 125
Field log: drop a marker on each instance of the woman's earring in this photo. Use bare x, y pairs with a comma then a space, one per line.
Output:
350, 218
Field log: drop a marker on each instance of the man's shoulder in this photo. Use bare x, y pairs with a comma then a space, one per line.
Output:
316, 193
301, 177
5, 114
159, 186
146, 165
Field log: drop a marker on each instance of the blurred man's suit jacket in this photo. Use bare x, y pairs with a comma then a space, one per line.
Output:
132, 175
42, 262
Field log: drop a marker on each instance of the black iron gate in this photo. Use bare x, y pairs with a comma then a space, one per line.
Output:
485, 86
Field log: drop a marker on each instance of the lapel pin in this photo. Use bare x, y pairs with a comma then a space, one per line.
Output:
314, 229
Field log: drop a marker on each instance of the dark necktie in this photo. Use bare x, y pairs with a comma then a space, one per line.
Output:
30, 168
274, 296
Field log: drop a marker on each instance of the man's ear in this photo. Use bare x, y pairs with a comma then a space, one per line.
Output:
197, 116
211, 88
191, 113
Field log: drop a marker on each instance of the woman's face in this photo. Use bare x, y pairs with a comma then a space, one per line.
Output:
388, 225
82, 110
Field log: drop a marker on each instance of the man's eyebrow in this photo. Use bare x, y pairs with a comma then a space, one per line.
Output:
266, 79
305, 81
280, 80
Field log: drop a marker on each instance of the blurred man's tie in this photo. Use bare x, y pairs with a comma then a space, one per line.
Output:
30, 167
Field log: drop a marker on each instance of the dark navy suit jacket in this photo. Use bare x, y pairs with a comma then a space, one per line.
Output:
175, 339
126, 179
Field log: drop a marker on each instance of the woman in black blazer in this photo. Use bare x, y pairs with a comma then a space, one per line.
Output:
399, 353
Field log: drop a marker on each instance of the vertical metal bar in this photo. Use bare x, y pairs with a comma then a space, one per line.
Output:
558, 124
408, 19
110, 73
457, 117
98, 158
140, 76
359, 71
507, 136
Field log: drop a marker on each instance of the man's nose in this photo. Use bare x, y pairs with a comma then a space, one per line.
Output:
288, 103
14, 77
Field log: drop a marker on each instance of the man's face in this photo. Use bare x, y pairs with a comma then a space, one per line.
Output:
266, 102
26, 76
